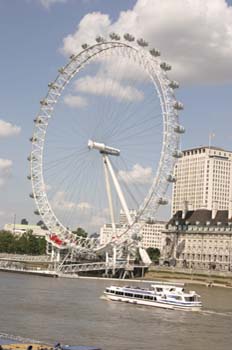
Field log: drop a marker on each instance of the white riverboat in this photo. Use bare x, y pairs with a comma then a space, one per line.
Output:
158, 295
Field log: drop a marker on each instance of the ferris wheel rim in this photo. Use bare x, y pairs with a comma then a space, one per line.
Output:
170, 137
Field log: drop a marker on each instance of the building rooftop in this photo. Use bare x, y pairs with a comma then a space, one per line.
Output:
206, 147
201, 217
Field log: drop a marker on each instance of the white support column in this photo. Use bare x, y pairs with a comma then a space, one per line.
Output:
119, 191
108, 190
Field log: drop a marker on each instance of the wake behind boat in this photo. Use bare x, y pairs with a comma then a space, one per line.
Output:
158, 295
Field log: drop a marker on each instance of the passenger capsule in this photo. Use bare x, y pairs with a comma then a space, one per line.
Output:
177, 154
179, 129
142, 42
36, 212
31, 195
171, 178
114, 36
38, 120
178, 105
100, 39
155, 52
165, 66
61, 70
84, 46
52, 86
162, 201
33, 139
129, 37
174, 84
72, 57
29, 177
44, 102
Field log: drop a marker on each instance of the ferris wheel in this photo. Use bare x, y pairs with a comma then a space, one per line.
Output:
105, 141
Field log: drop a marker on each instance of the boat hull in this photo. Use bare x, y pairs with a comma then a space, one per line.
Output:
159, 303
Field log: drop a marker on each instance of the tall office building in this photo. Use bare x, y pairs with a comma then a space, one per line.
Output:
203, 180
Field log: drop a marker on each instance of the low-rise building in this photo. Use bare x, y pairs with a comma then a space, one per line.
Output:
19, 229
153, 234
200, 239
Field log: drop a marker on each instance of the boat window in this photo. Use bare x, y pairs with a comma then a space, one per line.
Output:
139, 296
119, 293
147, 297
128, 294
176, 297
154, 298
190, 298
159, 289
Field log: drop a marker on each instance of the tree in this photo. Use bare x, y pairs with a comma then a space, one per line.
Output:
80, 232
25, 244
154, 254
24, 221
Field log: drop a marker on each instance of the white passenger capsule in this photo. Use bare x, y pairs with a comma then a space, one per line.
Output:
99, 39
155, 52
84, 46
171, 178
61, 70
165, 66
179, 129
142, 42
114, 36
44, 102
178, 105
177, 154
174, 84
163, 201
129, 37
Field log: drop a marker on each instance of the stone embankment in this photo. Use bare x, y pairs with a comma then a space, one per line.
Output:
208, 278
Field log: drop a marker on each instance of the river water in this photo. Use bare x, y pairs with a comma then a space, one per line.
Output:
71, 311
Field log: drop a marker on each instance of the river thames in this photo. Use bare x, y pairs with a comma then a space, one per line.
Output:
71, 311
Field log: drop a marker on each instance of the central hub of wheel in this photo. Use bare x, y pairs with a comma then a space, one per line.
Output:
102, 148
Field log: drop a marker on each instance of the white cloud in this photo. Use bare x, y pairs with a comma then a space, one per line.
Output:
48, 3
75, 101
5, 170
97, 221
100, 85
61, 203
90, 26
8, 129
138, 175
195, 36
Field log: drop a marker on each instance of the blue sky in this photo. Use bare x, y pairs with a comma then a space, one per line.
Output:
33, 36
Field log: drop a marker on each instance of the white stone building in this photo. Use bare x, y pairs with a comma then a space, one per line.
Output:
152, 232
200, 239
203, 179
19, 229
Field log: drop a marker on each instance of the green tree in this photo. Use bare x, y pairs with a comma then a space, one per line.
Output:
80, 232
154, 254
27, 243
6, 242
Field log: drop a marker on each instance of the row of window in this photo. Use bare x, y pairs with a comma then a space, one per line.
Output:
131, 295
